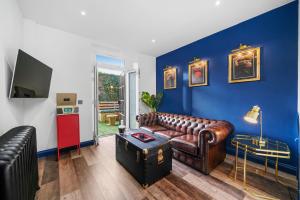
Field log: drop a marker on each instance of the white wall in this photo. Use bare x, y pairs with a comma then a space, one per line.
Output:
147, 78
72, 59
11, 33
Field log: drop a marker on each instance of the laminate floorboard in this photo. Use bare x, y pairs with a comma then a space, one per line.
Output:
68, 183
50, 170
95, 174
88, 185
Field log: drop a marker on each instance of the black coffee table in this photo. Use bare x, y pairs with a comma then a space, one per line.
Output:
147, 162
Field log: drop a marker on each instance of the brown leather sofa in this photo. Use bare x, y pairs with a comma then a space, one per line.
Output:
198, 142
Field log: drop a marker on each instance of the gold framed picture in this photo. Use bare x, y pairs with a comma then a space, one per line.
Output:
170, 78
244, 64
198, 73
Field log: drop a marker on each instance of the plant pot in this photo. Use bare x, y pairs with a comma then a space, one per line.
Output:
153, 109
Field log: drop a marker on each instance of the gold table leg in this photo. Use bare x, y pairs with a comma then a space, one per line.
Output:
276, 165
245, 166
266, 164
276, 168
236, 159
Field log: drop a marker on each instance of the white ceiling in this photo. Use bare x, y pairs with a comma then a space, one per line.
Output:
132, 24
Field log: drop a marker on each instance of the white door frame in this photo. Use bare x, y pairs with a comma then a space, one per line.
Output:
96, 100
104, 51
96, 103
127, 94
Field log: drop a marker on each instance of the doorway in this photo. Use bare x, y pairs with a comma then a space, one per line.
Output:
108, 106
116, 96
109, 83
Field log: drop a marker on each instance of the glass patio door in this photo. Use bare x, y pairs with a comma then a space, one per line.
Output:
122, 98
109, 98
132, 94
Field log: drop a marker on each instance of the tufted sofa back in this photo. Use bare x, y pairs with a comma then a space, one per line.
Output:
150, 119
182, 123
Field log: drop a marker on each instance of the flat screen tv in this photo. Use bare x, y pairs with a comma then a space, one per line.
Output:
31, 78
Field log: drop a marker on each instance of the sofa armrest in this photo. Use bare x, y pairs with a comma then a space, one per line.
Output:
147, 119
218, 132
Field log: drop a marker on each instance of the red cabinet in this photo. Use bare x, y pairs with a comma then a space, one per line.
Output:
67, 132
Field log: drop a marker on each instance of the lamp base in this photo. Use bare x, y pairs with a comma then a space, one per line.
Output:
262, 142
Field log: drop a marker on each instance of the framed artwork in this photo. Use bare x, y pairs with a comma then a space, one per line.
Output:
198, 73
244, 64
170, 78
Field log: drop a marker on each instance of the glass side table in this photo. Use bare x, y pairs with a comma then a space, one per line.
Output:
250, 144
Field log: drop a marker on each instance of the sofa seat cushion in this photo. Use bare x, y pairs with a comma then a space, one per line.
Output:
153, 128
186, 143
169, 133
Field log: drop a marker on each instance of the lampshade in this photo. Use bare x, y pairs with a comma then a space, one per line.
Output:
252, 115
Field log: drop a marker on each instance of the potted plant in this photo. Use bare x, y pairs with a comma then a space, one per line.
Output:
152, 101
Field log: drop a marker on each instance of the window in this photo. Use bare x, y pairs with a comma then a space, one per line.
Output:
109, 60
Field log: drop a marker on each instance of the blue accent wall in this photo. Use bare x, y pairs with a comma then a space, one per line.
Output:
276, 93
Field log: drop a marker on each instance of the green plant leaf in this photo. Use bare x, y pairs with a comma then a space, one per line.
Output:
152, 101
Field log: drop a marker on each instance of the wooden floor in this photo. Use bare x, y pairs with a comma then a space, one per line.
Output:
95, 174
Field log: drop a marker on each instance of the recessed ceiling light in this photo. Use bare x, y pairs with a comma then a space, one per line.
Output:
218, 3
153, 40
83, 13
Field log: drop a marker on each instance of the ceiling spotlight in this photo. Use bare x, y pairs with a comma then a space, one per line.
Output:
83, 13
153, 40
218, 3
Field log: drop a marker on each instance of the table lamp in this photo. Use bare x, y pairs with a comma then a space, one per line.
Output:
252, 117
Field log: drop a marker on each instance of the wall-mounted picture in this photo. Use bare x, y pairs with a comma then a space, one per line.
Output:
170, 78
244, 64
198, 73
